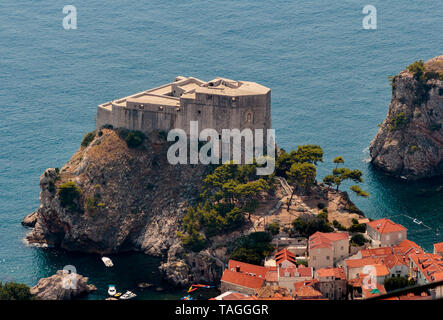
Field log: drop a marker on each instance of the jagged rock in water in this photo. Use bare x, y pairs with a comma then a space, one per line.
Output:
62, 286
409, 143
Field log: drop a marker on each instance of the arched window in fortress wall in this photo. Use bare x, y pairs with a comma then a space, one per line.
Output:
249, 116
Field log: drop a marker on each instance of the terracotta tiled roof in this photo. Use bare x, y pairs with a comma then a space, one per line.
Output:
285, 255
337, 273
392, 260
242, 279
300, 284
325, 240
271, 276
429, 265
359, 263
438, 247
376, 252
296, 272
273, 293
407, 247
250, 269
232, 295
386, 226
368, 292
380, 269
307, 291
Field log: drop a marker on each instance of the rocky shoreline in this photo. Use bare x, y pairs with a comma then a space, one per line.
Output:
409, 143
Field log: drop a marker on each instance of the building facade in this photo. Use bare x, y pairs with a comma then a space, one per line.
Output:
217, 104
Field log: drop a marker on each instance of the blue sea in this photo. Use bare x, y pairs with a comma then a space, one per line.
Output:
328, 75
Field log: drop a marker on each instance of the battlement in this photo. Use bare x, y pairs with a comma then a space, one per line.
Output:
218, 104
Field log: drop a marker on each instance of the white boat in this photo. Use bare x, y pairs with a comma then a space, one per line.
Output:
111, 290
417, 221
128, 295
107, 262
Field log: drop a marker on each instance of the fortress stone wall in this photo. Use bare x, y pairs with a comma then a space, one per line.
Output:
217, 104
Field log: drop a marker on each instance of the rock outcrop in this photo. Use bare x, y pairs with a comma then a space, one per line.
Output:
409, 143
131, 199
62, 286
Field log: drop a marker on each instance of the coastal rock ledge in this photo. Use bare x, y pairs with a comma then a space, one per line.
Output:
62, 286
409, 143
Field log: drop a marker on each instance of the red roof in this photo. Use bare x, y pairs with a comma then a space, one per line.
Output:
332, 272
325, 240
296, 272
438, 247
368, 292
376, 252
429, 265
242, 279
250, 269
359, 263
392, 260
285, 255
271, 276
306, 291
407, 247
386, 226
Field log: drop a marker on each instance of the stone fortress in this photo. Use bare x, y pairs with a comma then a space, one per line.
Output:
217, 104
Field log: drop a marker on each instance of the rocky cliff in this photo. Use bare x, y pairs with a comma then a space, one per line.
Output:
62, 286
131, 199
409, 143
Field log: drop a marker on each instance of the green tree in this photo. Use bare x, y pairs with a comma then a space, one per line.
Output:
273, 228
358, 240
69, 194
87, 139
15, 291
252, 248
134, 139
338, 160
394, 283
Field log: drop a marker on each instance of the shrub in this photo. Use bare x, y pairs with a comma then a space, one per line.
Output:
273, 228
69, 193
360, 227
134, 139
418, 69
358, 240
193, 240
320, 205
15, 291
339, 226
398, 121
107, 126
394, 283
253, 248
87, 139
306, 228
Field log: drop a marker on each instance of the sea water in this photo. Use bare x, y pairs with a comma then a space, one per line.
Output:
328, 75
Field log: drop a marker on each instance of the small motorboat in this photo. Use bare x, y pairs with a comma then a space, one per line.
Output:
111, 290
417, 221
128, 295
107, 262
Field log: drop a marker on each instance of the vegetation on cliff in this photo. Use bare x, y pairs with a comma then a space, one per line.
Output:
230, 193
15, 291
